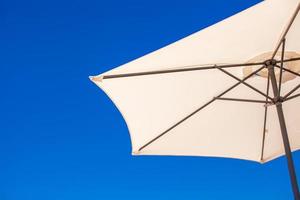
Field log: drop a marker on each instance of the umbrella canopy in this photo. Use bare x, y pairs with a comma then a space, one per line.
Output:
153, 103
209, 93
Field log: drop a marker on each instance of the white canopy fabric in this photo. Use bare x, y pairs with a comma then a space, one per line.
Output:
151, 104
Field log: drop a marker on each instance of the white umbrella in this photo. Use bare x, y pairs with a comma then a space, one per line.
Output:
218, 92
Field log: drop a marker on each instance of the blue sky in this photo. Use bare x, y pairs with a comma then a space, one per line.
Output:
61, 138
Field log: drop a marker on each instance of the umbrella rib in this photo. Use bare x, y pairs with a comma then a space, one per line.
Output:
182, 69
291, 59
286, 30
265, 123
243, 100
202, 107
248, 85
288, 70
281, 65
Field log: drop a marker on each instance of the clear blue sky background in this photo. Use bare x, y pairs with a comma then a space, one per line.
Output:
61, 138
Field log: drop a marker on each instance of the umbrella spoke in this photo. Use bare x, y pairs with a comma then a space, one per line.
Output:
172, 127
265, 123
291, 92
181, 69
248, 85
199, 109
292, 97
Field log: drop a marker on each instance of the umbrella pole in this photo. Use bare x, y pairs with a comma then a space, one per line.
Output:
278, 103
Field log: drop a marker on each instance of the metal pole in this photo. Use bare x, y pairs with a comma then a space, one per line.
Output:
285, 138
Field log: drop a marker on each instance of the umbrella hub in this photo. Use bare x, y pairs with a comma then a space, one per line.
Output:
265, 57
